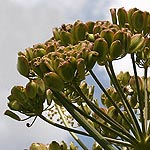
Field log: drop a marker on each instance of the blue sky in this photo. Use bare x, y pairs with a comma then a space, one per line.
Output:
24, 23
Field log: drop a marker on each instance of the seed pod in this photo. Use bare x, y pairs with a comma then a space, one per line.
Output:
12, 115
66, 71
115, 49
90, 37
53, 81
138, 20
35, 65
132, 83
91, 60
56, 33
112, 112
113, 15
80, 31
90, 25
39, 52
23, 66
101, 46
107, 34
80, 69
29, 53
122, 17
31, 89
38, 146
14, 105
18, 93
49, 96
43, 67
133, 100
129, 14
54, 146
124, 38
137, 43
66, 38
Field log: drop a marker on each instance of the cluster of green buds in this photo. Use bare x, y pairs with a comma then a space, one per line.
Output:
60, 146
57, 65
53, 146
28, 100
114, 114
136, 20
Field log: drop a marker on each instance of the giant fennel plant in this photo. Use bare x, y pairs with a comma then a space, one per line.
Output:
57, 91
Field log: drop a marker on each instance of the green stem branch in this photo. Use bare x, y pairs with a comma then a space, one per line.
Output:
111, 100
62, 127
126, 104
139, 94
84, 123
67, 125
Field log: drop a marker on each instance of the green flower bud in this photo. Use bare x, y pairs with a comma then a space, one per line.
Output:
133, 100
54, 146
101, 46
29, 53
122, 17
112, 112
14, 105
73, 147
49, 96
48, 62
90, 37
31, 89
124, 38
43, 67
91, 60
80, 31
53, 81
39, 52
38, 146
107, 34
18, 93
115, 49
66, 71
137, 43
66, 38
35, 65
138, 20
12, 115
23, 66
129, 14
80, 69
90, 25
56, 33
132, 83
113, 15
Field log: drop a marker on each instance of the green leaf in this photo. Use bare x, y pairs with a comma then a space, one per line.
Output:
12, 115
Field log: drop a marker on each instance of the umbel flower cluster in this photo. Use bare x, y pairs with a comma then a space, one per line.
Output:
57, 71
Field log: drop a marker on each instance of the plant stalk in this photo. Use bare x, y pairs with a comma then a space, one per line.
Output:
67, 125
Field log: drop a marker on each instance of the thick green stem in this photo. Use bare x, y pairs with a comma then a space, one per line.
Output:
126, 136
146, 99
126, 104
105, 117
62, 127
67, 125
113, 103
84, 123
139, 94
